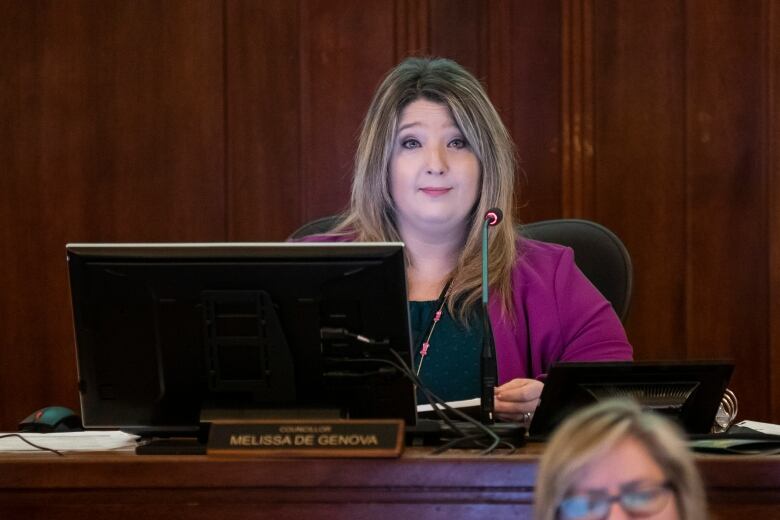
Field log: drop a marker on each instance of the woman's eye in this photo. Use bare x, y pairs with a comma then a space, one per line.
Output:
640, 497
410, 143
458, 143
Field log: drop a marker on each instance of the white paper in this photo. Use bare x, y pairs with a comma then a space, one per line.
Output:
467, 403
69, 441
769, 429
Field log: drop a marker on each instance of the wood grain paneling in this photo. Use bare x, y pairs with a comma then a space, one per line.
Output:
458, 484
112, 131
638, 185
577, 84
264, 152
300, 78
772, 164
525, 84
411, 28
458, 30
346, 48
726, 187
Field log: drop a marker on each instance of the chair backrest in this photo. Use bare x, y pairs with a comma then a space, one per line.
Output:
598, 252
315, 227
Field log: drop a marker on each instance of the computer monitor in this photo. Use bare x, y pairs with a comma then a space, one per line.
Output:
169, 336
688, 392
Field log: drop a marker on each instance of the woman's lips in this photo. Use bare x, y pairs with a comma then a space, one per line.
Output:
435, 192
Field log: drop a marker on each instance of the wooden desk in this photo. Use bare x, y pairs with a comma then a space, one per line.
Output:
453, 486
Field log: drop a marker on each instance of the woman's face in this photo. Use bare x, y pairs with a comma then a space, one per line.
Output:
434, 173
630, 473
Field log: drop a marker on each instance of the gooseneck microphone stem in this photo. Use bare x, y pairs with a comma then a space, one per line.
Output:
488, 366
485, 232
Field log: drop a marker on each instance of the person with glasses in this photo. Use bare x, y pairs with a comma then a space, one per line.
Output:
613, 460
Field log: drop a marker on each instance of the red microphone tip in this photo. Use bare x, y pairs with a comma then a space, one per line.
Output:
494, 216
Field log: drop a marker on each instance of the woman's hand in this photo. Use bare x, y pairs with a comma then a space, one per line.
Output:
516, 399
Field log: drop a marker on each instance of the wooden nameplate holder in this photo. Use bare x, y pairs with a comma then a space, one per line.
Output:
307, 438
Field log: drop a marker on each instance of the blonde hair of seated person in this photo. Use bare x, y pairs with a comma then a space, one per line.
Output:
587, 436
370, 216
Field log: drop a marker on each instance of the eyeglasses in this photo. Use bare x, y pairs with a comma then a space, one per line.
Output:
638, 499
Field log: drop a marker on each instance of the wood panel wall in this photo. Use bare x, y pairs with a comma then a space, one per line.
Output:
199, 120
111, 129
681, 172
772, 131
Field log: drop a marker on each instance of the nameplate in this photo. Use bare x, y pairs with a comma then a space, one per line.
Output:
301, 438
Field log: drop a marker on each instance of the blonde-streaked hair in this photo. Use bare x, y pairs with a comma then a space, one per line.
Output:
590, 434
370, 216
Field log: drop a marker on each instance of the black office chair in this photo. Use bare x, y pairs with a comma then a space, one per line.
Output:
598, 252
315, 227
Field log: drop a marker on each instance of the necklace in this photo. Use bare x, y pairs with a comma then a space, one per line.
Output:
426, 344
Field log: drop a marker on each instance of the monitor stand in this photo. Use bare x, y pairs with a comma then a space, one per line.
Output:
171, 446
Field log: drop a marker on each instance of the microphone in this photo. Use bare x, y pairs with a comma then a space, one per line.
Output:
488, 366
494, 216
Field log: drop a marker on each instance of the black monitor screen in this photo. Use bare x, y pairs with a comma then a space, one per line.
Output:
168, 334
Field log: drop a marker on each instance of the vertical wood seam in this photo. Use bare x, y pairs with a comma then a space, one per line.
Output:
577, 164
227, 174
411, 28
589, 191
765, 163
424, 28
765, 136
688, 224
304, 120
773, 228
399, 29
566, 131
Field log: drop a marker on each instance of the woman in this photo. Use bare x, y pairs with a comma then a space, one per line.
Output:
614, 461
433, 157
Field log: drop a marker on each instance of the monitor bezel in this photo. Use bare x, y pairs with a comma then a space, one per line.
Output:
562, 397
80, 254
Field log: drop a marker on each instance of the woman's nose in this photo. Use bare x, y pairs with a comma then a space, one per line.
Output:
437, 162
616, 512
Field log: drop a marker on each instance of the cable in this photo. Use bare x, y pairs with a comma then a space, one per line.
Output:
438, 405
408, 372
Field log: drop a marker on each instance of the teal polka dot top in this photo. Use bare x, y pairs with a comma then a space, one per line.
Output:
451, 367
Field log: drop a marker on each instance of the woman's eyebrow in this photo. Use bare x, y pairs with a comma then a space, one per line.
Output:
408, 125
419, 123
628, 485
635, 483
